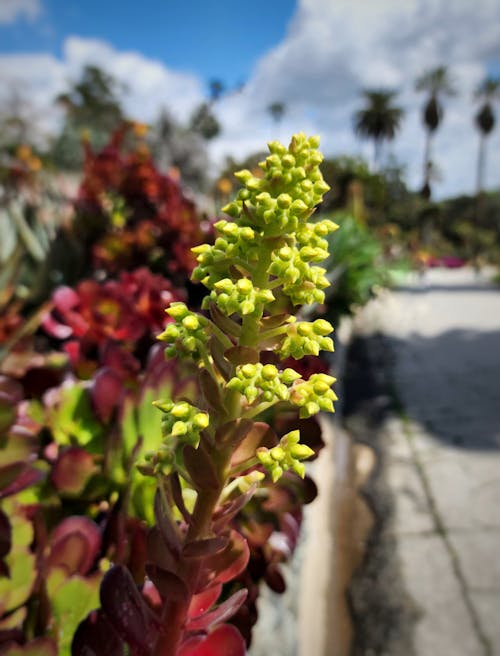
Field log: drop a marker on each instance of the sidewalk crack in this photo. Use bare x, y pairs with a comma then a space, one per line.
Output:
441, 530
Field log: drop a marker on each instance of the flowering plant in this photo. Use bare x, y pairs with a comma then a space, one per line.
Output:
129, 214
219, 451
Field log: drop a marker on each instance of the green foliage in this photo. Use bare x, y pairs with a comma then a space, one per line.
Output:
379, 119
204, 122
17, 586
71, 600
356, 267
93, 110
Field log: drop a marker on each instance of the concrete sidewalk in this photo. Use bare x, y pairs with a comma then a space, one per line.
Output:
443, 455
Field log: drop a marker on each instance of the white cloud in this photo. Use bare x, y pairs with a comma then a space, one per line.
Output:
147, 84
12, 10
332, 50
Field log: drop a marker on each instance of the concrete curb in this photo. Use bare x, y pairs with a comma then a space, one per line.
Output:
312, 616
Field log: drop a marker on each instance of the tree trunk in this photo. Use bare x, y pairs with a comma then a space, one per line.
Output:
481, 161
427, 160
377, 151
479, 209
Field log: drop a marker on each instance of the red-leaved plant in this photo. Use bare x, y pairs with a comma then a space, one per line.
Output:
219, 451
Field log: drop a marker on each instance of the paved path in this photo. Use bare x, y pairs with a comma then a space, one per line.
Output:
444, 456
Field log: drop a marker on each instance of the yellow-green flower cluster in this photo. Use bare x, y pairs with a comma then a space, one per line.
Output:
240, 296
275, 207
188, 335
306, 338
291, 187
314, 395
235, 243
264, 382
302, 283
313, 234
287, 455
182, 424
182, 421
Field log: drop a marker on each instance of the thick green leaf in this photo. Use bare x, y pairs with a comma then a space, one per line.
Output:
73, 419
71, 601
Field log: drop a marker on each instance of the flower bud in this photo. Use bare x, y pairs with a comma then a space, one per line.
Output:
289, 375
249, 370
179, 428
276, 473
278, 453
301, 451
247, 307
190, 322
322, 327
180, 410
299, 468
244, 285
264, 456
177, 310
201, 420
269, 372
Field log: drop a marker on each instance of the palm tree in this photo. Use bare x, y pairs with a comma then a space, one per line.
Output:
378, 120
216, 89
437, 83
487, 92
277, 111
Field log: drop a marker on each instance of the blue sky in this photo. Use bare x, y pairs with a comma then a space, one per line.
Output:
214, 39
316, 56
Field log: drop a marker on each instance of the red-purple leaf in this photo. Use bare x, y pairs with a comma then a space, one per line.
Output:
224, 641
5, 534
261, 434
220, 614
106, 392
210, 391
65, 298
217, 352
37, 647
229, 510
127, 611
55, 328
11, 391
9, 473
241, 355
21, 479
274, 579
274, 321
226, 324
157, 553
233, 431
227, 564
168, 584
206, 547
204, 600
164, 522
95, 636
75, 544
72, 470
178, 498
11, 394
200, 468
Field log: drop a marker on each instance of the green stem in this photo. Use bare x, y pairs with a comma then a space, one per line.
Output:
258, 409
251, 323
222, 337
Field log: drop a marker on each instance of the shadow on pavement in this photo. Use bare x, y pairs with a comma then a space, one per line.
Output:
425, 288
450, 384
